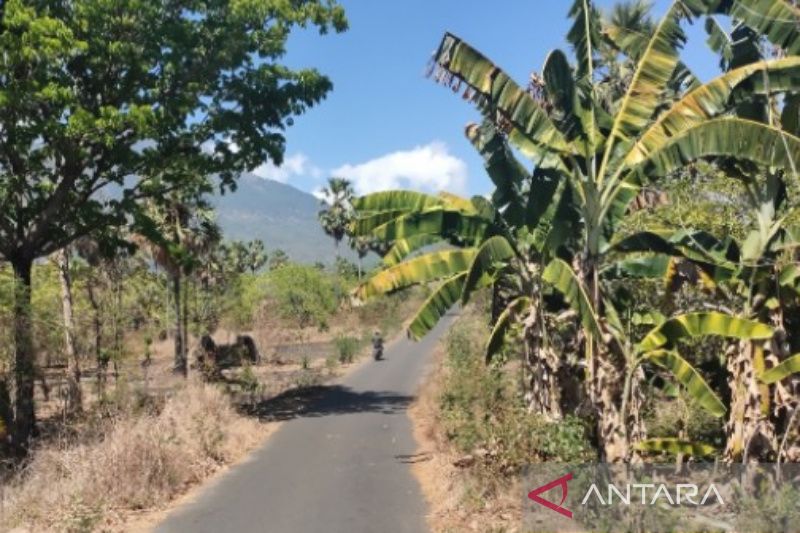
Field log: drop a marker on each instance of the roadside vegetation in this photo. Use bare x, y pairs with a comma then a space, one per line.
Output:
641, 261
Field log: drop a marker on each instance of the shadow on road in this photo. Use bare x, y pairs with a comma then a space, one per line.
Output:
324, 401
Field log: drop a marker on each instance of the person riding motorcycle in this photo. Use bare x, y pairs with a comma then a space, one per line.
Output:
377, 345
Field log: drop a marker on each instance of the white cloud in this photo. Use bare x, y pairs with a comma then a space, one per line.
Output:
428, 168
318, 193
295, 165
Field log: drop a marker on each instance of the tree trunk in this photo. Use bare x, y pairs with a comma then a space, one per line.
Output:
6, 414
74, 397
24, 364
185, 320
750, 434
97, 326
180, 362
360, 269
541, 365
606, 378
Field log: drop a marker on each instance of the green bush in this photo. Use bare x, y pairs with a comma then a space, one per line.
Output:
483, 411
303, 295
346, 348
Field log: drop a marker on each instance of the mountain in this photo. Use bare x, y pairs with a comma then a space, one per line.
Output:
280, 215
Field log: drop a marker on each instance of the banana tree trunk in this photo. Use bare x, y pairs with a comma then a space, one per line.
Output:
542, 365
74, 395
750, 432
607, 369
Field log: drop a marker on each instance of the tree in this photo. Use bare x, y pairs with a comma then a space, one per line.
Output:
256, 255
278, 259
362, 245
137, 98
186, 231
603, 144
336, 214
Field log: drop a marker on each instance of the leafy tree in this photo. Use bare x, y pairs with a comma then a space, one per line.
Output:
278, 259
256, 255
135, 98
303, 295
336, 214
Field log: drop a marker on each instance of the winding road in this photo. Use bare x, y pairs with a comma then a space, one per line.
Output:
340, 462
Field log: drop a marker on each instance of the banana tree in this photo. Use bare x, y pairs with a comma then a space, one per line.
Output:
664, 121
503, 243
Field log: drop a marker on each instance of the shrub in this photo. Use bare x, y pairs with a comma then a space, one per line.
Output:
346, 348
483, 412
303, 295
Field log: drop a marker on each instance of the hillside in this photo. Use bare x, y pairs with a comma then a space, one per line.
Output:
280, 215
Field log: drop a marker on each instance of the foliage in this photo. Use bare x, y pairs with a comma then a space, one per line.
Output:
346, 348
568, 236
483, 413
303, 295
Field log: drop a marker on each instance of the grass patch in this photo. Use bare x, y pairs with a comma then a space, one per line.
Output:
140, 457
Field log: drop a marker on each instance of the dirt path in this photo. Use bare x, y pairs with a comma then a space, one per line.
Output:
339, 464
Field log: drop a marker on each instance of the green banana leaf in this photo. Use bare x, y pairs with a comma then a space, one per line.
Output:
700, 324
584, 35
440, 222
676, 446
423, 269
560, 275
405, 247
396, 201
493, 89
776, 19
781, 371
443, 299
365, 224
503, 169
709, 101
494, 250
653, 73
503, 323
729, 136
690, 378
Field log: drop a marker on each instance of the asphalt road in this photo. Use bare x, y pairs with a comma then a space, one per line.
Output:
340, 464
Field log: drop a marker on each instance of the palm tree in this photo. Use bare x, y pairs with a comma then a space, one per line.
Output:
185, 230
256, 255
362, 244
336, 214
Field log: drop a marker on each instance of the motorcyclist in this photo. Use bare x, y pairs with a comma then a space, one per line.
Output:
377, 345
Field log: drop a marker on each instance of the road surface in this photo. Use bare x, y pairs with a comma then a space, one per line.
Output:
340, 465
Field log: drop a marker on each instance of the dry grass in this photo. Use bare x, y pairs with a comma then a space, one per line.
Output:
140, 460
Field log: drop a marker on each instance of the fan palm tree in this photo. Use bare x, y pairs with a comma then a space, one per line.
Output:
183, 229
336, 214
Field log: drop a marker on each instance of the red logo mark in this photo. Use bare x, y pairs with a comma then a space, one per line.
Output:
560, 482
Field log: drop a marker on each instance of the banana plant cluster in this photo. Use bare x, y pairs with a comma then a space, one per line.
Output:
551, 242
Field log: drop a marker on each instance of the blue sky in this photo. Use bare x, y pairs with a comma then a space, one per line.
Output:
385, 125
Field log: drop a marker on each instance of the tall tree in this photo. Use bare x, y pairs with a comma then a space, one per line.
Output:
138, 97
186, 231
336, 214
